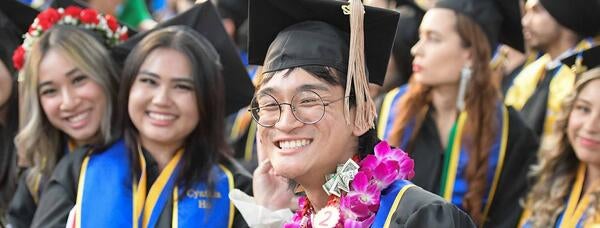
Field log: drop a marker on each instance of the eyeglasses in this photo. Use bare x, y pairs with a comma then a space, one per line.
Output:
307, 107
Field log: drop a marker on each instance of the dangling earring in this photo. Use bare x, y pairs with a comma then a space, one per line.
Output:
465, 77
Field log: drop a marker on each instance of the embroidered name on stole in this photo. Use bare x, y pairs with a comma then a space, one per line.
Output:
105, 195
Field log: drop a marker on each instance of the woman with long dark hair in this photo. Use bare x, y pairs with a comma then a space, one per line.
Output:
467, 146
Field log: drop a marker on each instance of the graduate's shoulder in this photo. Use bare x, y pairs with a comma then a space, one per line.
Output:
420, 208
241, 177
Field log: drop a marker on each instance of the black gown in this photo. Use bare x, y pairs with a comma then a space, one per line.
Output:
420, 208
428, 154
60, 195
23, 206
25, 201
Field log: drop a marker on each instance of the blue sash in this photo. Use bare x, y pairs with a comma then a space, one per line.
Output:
389, 201
388, 113
105, 195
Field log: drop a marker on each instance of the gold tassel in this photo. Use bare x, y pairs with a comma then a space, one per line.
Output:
365, 107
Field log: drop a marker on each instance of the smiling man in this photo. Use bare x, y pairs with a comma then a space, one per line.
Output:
316, 119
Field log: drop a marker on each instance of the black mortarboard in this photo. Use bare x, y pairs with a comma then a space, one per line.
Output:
204, 19
15, 19
500, 20
581, 16
234, 9
294, 33
317, 43
20, 14
583, 61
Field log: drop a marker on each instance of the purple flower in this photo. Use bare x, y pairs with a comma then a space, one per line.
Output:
383, 151
361, 200
385, 174
302, 202
369, 162
291, 225
351, 223
407, 168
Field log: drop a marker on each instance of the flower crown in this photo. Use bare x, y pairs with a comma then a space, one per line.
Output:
104, 24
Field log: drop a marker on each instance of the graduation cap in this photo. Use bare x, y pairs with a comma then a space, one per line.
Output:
500, 20
581, 16
20, 14
15, 19
295, 33
234, 9
584, 60
204, 19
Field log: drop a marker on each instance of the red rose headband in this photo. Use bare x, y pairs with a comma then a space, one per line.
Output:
90, 19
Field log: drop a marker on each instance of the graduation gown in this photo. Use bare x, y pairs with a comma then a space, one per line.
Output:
61, 193
25, 201
406, 205
507, 177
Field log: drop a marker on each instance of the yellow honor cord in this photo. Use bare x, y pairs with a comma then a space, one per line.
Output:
577, 204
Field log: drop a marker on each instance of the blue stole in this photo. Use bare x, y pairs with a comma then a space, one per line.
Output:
496, 156
105, 195
389, 201
388, 112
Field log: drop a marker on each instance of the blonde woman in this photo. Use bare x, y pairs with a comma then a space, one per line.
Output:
567, 191
68, 88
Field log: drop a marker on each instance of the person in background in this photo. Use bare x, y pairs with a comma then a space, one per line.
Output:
14, 21
566, 192
558, 29
467, 146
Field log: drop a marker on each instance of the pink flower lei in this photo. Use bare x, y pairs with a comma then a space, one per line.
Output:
90, 19
357, 207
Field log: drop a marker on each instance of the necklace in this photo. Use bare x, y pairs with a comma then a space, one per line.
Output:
355, 189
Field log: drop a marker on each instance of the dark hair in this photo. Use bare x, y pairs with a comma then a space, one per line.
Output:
327, 74
8, 153
205, 146
8, 130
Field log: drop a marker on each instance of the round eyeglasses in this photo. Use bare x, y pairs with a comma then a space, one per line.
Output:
307, 107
